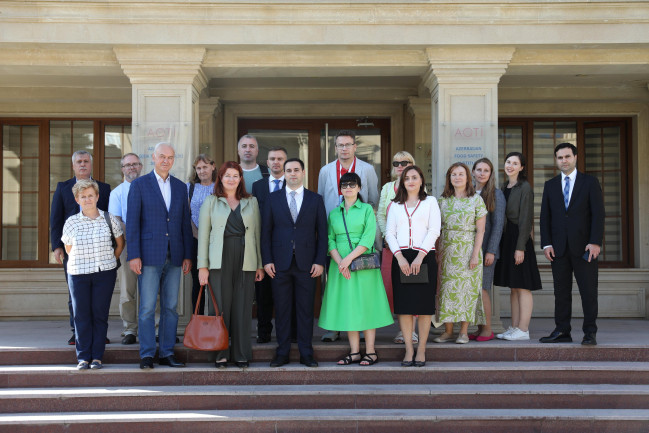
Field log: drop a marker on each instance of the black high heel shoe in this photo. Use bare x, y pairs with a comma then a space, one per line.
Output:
408, 363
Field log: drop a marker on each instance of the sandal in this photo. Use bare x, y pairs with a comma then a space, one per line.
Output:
349, 359
368, 358
399, 338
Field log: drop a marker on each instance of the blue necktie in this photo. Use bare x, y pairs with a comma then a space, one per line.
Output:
276, 187
566, 192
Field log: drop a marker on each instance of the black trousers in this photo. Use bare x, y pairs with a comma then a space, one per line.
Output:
294, 293
196, 285
264, 300
70, 309
586, 275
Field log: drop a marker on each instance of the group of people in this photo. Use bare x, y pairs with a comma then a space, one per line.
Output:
255, 232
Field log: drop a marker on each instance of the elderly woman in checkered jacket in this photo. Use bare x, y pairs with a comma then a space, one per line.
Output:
92, 270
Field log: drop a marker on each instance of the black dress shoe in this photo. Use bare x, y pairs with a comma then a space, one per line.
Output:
279, 360
242, 364
107, 340
261, 339
557, 337
589, 339
73, 340
308, 361
221, 364
128, 339
146, 363
171, 361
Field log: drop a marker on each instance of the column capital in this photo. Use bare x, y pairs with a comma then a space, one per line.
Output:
419, 106
163, 65
466, 65
210, 106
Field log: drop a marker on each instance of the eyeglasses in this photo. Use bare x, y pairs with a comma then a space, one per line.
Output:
345, 146
346, 185
400, 163
134, 165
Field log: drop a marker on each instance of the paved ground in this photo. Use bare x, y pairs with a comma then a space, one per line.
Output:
51, 334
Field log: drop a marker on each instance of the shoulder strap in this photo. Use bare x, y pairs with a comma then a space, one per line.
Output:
110, 227
342, 211
264, 171
191, 194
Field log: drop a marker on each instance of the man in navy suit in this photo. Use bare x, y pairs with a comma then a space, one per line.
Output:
572, 225
64, 206
293, 250
261, 189
159, 238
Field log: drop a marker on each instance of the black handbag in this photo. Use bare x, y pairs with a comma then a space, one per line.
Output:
112, 238
364, 261
420, 278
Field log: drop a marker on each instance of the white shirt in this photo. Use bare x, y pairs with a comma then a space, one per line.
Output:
119, 200
165, 188
573, 177
92, 250
414, 228
299, 197
271, 183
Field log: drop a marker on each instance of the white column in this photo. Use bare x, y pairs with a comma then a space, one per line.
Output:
209, 108
464, 87
166, 87
419, 109
464, 92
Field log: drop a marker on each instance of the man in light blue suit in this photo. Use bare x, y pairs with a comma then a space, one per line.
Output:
159, 237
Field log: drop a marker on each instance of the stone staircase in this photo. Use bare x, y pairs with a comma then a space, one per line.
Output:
489, 387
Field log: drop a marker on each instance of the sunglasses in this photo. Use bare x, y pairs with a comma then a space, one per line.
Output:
346, 185
400, 163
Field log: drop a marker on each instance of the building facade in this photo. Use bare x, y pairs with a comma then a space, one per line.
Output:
444, 80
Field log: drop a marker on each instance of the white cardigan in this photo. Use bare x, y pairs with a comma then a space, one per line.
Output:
416, 228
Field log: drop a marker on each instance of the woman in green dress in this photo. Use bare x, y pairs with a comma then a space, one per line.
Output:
463, 225
354, 301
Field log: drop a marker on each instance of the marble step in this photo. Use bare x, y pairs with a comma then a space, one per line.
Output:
336, 420
528, 372
281, 397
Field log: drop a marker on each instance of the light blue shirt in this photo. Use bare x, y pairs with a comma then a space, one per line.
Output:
201, 192
165, 188
118, 200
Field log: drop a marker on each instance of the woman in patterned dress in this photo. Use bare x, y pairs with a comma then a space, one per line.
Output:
463, 225
198, 189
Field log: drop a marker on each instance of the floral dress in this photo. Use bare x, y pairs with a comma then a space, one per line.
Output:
460, 295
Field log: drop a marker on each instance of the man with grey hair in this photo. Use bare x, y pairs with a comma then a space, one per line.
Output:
64, 206
159, 238
131, 168
248, 150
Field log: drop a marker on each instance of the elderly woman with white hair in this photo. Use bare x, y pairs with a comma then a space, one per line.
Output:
92, 270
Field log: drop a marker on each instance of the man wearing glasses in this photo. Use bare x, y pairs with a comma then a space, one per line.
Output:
131, 168
329, 179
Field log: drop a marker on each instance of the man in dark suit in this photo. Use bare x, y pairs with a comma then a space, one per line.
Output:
261, 189
159, 238
64, 206
293, 250
572, 225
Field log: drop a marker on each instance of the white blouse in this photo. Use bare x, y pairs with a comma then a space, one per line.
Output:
92, 250
414, 228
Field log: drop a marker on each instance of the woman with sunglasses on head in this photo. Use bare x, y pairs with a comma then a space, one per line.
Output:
517, 267
353, 301
485, 186
399, 162
198, 189
413, 227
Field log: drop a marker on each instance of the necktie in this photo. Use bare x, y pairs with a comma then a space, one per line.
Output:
276, 187
566, 193
292, 206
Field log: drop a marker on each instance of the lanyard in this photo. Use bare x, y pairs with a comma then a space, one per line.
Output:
338, 174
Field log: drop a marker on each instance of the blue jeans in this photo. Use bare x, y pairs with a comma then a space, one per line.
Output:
163, 279
91, 294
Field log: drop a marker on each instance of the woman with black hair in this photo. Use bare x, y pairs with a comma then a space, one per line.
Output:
354, 300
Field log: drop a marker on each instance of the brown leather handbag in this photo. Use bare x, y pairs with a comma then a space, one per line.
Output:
206, 332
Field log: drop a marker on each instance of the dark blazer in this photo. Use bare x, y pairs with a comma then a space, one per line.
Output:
151, 230
308, 233
494, 226
581, 224
261, 191
64, 206
520, 210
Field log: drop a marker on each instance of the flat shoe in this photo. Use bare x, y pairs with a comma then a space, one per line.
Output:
242, 364
462, 339
398, 339
481, 338
444, 338
419, 363
221, 364
82, 365
96, 365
